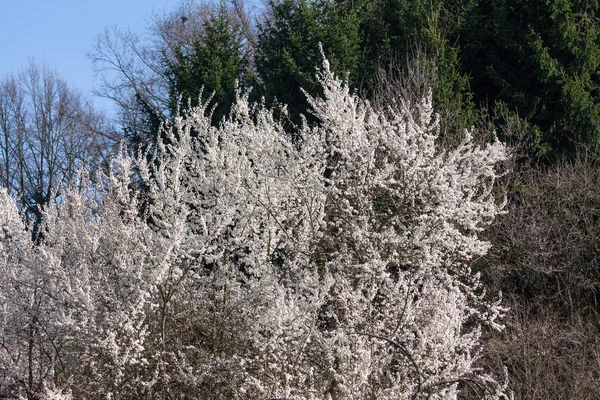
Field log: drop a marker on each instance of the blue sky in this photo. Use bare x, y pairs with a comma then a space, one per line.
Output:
61, 32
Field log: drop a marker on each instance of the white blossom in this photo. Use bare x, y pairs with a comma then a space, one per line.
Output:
335, 266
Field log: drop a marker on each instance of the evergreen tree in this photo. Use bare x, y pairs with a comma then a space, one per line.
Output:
196, 52
208, 67
144, 133
288, 48
363, 38
543, 60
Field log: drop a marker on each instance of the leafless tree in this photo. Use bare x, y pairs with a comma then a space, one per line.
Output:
48, 132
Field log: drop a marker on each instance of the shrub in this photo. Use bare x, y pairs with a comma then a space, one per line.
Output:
332, 267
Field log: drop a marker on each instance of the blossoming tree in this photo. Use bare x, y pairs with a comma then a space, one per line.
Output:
253, 266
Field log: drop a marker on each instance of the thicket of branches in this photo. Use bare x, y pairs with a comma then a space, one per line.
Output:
545, 260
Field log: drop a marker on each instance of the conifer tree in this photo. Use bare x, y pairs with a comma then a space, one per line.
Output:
542, 59
209, 66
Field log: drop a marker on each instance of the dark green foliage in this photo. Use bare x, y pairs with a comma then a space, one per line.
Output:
538, 59
391, 29
542, 59
288, 48
209, 67
144, 135
396, 27
361, 39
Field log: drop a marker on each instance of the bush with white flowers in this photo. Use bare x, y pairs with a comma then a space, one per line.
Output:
254, 266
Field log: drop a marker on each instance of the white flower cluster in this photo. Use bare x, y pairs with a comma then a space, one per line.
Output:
333, 266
